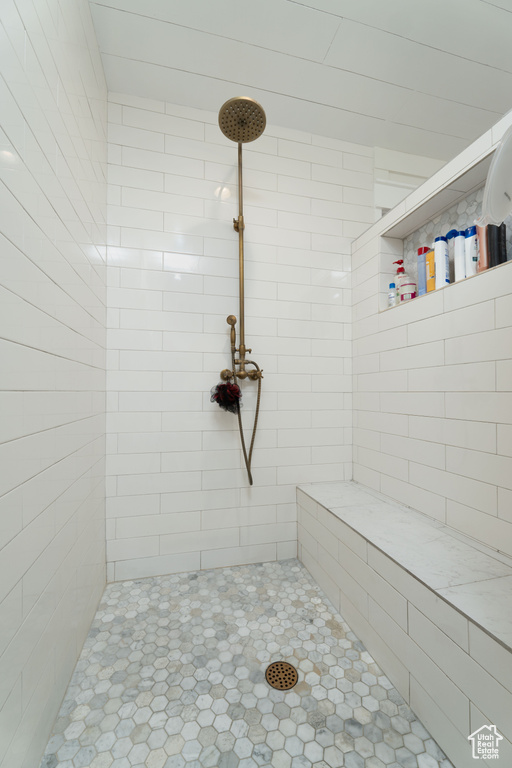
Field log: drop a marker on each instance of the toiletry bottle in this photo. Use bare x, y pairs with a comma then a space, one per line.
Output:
503, 243
441, 261
431, 270
493, 244
405, 287
392, 295
459, 255
422, 271
471, 251
483, 248
450, 236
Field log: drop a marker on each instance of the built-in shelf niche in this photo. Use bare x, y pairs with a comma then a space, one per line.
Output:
457, 190
447, 197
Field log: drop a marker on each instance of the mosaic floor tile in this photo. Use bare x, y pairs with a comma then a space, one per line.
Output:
172, 675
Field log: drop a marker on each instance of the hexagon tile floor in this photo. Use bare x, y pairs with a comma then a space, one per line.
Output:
172, 675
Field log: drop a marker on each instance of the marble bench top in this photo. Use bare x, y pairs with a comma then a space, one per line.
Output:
470, 576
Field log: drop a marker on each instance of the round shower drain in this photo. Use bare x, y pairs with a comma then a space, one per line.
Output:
281, 675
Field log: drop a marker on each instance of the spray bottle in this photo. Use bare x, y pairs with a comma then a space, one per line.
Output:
405, 287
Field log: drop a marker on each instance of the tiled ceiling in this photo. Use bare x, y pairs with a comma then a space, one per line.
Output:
426, 77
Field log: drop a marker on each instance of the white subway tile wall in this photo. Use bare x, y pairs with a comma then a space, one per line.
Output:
52, 376
178, 495
432, 395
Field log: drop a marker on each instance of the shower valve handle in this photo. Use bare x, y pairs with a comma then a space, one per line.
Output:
231, 320
238, 224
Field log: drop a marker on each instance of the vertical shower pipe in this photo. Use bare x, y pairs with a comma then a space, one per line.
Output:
242, 120
239, 227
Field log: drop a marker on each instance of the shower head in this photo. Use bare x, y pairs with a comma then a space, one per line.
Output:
242, 119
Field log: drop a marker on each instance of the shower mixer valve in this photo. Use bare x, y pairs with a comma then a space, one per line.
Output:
241, 362
255, 374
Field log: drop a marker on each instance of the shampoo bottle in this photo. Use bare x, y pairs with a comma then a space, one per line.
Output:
471, 251
442, 262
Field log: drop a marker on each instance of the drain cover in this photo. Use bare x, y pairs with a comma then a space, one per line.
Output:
281, 675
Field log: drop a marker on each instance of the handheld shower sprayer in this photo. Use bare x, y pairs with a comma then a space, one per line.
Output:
241, 120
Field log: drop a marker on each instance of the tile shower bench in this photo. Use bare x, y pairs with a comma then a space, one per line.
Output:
433, 607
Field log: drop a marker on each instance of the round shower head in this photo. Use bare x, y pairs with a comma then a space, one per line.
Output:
242, 119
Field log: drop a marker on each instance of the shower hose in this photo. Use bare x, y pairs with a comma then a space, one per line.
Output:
248, 457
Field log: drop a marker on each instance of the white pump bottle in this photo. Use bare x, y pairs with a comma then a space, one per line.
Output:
405, 287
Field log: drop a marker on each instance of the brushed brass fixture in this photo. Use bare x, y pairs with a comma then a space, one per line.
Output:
281, 675
242, 120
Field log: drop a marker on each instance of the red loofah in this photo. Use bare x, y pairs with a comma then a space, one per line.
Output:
227, 395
